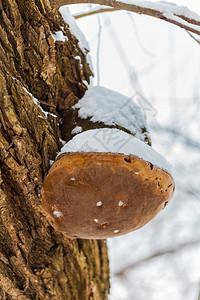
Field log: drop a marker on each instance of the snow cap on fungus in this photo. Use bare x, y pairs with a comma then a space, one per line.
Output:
106, 181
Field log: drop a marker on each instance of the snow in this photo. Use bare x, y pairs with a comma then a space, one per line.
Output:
104, 105
115, 141
75, 30
57, 214
77, 129
169, 10
168, 3
84, 81
62, 141
59, 36
51, 162
164, 7
171, 16
36, 101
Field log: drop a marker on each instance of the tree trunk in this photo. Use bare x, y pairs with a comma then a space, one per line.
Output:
36, 262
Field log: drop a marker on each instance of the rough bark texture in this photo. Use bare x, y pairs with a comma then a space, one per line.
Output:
36, 262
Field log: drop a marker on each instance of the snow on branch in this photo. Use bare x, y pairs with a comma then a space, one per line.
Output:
167, 11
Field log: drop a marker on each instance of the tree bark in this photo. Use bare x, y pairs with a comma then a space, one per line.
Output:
36, 262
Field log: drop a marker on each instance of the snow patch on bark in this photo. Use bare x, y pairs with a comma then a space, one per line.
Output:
59, 36
77, 32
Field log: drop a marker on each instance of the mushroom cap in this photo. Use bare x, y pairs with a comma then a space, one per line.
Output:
101, 195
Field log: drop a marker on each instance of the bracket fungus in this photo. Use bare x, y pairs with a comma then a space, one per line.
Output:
107, 181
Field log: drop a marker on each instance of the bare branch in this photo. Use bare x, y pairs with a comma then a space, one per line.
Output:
187, 140
129, 267
177, 15
193, 37
93, 12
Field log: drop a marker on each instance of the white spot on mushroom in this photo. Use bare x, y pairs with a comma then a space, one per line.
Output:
99, 203
136, 173
120, 203
57, 214
72, 178
96, 220
116, 231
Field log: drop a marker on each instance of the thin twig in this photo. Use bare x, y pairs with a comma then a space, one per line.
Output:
129, 267
187, 140
167, 12
98, 11
193, 37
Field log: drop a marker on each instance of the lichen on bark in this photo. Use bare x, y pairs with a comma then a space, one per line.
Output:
36, 262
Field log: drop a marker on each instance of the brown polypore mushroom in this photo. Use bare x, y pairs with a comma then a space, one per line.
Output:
109, 181
101, 195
